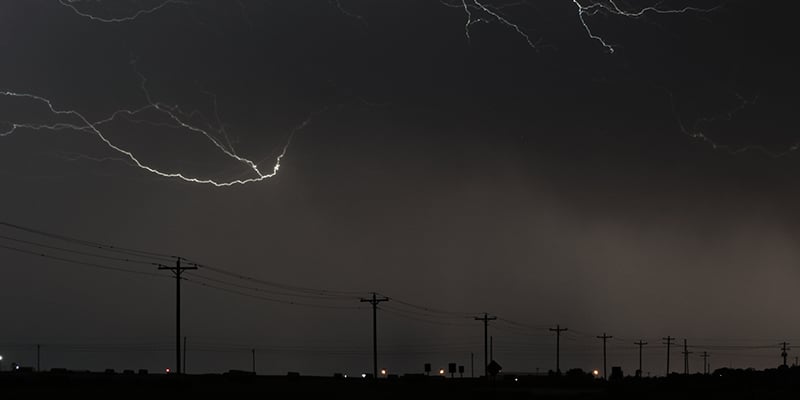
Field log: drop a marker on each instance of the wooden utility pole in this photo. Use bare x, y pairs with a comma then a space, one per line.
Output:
177, 271
375, 300
485, 318
605, 365
558, 329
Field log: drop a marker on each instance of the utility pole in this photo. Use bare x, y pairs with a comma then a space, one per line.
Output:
38, 358
184, 354
605, 338
491, 348
705, 356
558, 329
640, 343
472, 364
668, 342
254, 360
177, 271
686, 353
374, 301
784, 353
485, 318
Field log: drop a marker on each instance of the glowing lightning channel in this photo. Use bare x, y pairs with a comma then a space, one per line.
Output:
696, 132
613, 9
71, 5
348, 13
171, 112
491, 13
479, 11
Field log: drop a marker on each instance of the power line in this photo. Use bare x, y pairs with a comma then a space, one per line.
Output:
78, 262
237, 275
289, 302
257, 289
74, 251
107, 247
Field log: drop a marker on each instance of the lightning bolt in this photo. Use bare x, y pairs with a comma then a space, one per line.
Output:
611, 8
696, 131
348, 13
479, 11
71, 4
176, 119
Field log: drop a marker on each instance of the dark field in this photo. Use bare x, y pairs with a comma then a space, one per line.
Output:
723, 384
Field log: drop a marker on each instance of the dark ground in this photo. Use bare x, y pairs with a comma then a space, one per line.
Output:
723, 384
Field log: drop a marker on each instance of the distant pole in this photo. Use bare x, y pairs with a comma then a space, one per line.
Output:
485, 318
784, 353
38, 358
668, 342
705, 362
184, 354
472, 364
605, 338
177, 271
374, 301
558, 329
640, 343
254, 360
686, 353
491, 348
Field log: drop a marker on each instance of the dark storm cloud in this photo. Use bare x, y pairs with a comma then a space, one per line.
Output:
547, 187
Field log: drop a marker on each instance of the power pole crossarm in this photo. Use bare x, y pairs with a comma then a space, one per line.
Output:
177, 271
375, 300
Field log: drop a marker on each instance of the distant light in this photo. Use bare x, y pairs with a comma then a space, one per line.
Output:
516, 379
363, 375
1, 358
167, 370
595, 372
441, 371
16, 367
345, 375
383, 372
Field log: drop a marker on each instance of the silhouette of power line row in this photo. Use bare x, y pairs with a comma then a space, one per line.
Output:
320, 292
411, 311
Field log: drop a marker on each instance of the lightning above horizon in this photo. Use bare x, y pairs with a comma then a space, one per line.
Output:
698, 129
480, 11
177, 119
73, 5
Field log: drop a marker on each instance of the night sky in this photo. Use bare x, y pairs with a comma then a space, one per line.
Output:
647, 192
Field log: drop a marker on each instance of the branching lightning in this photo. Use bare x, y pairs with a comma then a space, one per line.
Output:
72, 5
348, 13
177, 120
696, 130
479, 11
611, 8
